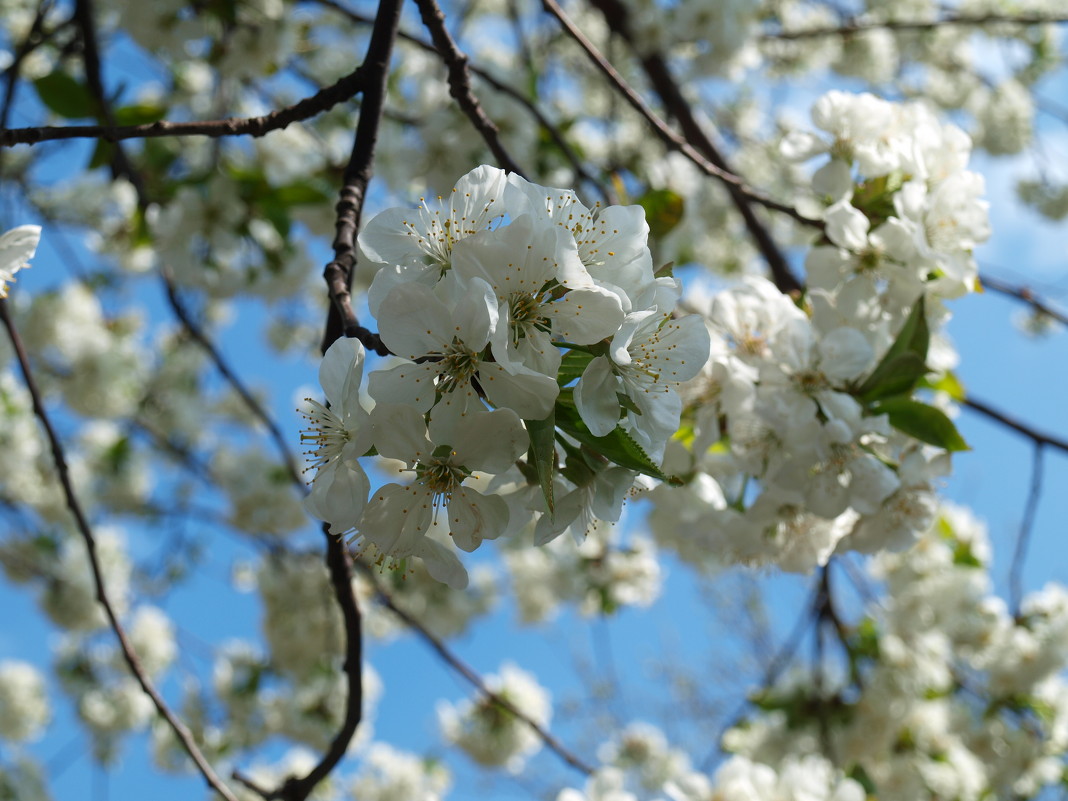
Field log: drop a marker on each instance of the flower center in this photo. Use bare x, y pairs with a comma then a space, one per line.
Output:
326, 433
458, 364
524, 314
441, 477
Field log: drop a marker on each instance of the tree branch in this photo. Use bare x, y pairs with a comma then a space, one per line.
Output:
671, 139
345, 89
667, 88
855, 26
201, 338
1023, 294
1023, 539
183, 734
460, 83
338, 273
474, 678
1038, 437
551, 129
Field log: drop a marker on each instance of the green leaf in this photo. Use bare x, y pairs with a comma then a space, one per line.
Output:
65, 96
572, 366
898, 376
102, 154
925, 423
915, 336
964, 557
893, 371
618, 446
301, 195
663, 211
542, 454
140, 114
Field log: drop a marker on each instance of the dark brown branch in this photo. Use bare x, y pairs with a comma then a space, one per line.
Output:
338, 273
201, 338
1038, 437
183, 734
552, 130
34, 38
473, 678
853, 27
1023, 538
123, 166
342, 320
345, 89
460, 83
667, 88
1023, 294
297, 789
671, 139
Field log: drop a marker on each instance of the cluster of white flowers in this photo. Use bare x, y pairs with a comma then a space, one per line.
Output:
599, 574
502, 295
641, 766
24, 709
803, 434
391, 775
951, 696
490, 734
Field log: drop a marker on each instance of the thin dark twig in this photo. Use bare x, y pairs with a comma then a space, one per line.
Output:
124, 166
854, 27
460, 83
1024, 294
183, 734
474, 678
667, 88
345, 89
339, 564
672, 139
338, 273
338, 278
1023, 538
547, 125
34, 38
1039, 437
774, 669
201, 338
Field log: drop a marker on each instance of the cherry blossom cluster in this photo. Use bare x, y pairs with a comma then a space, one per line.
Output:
951, 695
804, 433
640, 765
495, 300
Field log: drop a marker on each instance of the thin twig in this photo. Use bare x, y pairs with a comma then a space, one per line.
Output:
547, 125
1023, 538
124, 166
183, 734
201, 338
338, 273
774, 669
340, 320
474, 678
854, 27
667, 88
345, 89
460, 83
670, 138
1036, 436
1024, 294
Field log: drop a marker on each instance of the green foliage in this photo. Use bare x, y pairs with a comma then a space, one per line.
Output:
618, 446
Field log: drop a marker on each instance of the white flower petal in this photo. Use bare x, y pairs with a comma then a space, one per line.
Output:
474, 517
595, 397
489, 442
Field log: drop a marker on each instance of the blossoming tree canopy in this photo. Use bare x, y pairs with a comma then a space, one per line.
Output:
675, 279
